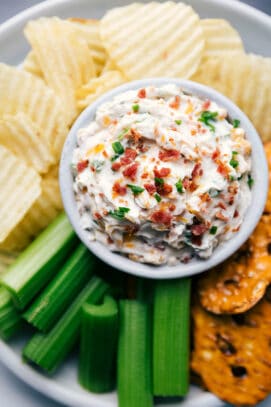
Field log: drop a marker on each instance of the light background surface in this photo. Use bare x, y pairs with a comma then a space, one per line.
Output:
13, 392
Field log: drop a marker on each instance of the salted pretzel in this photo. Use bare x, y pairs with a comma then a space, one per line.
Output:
232, 354
239, 283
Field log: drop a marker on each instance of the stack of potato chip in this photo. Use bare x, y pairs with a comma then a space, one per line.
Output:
73, 62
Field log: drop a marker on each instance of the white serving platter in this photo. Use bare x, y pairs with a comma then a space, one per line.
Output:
255, 29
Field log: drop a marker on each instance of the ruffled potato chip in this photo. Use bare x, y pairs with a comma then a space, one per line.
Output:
246, 80
21, 136
154, 39
63, 57
21, 92
19, 189
43, 211
96, 87
31, 65
220, 38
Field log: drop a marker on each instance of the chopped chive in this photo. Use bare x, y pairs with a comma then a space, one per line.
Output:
179, 186
232, 178
159, 181
241, 176
118, 147
157, 197
234, 163
119, 213
234, 152
178, 122
250, 181
213, 192
98, 164
206, 117
115, 157
135, 189
236, 123
123, 132
213, 230
135, 108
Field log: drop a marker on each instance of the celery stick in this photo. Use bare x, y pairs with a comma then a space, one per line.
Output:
48, 350
60, 292
10, 319
99, 334
171, 337
134, 354
38, 263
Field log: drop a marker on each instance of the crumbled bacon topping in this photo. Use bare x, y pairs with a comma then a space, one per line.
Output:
197, 171
119, 189
162, 217
169, 155
82, 165
164, 189
130, 172
175, 104
219, 215
128, 156
198, 230
151, 188
142, 93
116, 166
98, 216
162, 172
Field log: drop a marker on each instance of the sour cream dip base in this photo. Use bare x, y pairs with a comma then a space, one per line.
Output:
225, 249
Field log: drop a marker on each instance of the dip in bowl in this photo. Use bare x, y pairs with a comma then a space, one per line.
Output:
163, 178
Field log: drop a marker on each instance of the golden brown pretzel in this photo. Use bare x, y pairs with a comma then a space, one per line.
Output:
240, 282
232, 354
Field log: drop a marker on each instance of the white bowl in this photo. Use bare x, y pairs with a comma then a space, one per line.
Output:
225, 249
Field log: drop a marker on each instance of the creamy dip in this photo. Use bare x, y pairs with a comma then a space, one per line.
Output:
162, 176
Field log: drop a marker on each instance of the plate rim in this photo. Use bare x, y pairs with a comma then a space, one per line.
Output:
10, 359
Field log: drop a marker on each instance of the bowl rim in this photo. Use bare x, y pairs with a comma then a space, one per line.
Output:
225, 249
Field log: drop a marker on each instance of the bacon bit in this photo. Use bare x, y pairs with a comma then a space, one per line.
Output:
172, 207
236, 214
144, 175
222, 169
190, 185
101, 195
131, 171
162, 217
129, 156
205, 197
198, 230
142, 93
92, 168
151, 188
163, 172
197, 171
175, 104
206, 104
169, 155
164, 189
193, 132
231, 200
236, 229
105, 212
134, 136
82, 165
119, 189
141, 146
105, 154
215, 154
196, 240
98, 216
219, 215
221, 205
233, 189
109, 240
115, 166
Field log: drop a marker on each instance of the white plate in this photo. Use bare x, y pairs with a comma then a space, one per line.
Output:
255, 29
